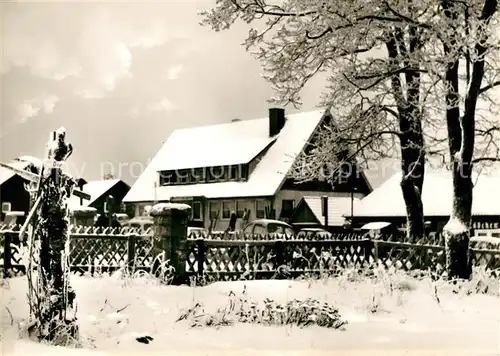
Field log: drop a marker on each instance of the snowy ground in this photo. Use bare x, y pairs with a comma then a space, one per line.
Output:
408, 319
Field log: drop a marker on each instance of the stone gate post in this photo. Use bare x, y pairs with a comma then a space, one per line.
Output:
170, 236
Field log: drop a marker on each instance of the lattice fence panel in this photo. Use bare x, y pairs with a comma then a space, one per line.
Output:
326, 255
143, 252
192, 257
108, 253
410, 256
17, 252
488, 259
232, 260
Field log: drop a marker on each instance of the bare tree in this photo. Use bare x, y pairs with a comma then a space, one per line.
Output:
472, 43
369, 53
392, 75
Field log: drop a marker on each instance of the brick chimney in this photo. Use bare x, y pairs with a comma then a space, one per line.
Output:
276, 121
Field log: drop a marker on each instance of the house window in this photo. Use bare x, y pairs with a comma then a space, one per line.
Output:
227, 209
240, 209
225, 173
183, 176
287, 206
215, 210
165, 178
199, 175
233, 172
260, 210
196, 210
212, 174
217, 173
243, 172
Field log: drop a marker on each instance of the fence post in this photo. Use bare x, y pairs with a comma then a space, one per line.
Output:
279, 257
83, 216
369, 247
131, 252
200, 258
7, 254
170, 236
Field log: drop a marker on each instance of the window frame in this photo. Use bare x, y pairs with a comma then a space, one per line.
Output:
243, 172
238, 203
165, 178
219, 210
198, 178
233, 176
200, 207
266, 203
183, 177
220, 173
231, 208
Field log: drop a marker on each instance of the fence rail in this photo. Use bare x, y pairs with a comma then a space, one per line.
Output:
240, 256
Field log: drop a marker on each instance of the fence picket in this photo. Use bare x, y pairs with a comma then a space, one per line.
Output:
7, 254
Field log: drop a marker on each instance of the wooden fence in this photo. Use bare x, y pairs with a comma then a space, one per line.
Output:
235, 256
92, 249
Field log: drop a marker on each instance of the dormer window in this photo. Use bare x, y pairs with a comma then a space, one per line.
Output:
199, 175
243, 173
218, 173
233, 173
165, 178
183, 177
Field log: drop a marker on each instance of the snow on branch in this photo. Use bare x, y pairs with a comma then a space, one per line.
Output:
381, 61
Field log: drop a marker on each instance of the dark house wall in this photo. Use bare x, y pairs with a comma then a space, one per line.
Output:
13, 191
118, 191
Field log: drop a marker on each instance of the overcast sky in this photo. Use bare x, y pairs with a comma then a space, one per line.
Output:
120, 77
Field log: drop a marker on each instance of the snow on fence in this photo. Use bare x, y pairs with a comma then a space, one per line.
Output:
235, 256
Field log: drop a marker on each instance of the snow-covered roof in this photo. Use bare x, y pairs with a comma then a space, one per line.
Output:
37, 162
225, 144
95, 189
387, 199
217, 145
338, 207
6, 174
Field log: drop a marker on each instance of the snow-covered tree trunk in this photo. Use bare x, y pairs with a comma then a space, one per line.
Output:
457, 230
462, 127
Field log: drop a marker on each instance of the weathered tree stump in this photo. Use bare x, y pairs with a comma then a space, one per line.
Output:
54, 311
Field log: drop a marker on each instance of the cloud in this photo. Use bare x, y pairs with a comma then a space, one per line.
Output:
91, 47
174, 71
33, 107
162, 106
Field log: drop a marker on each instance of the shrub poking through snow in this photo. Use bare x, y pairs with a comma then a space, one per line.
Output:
240, 310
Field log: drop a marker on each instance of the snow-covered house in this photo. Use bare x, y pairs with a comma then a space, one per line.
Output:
237, 167
13, 196
386, 205
99, 190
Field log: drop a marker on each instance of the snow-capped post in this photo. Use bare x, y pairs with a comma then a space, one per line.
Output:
56, 316
83, 216
170, 238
